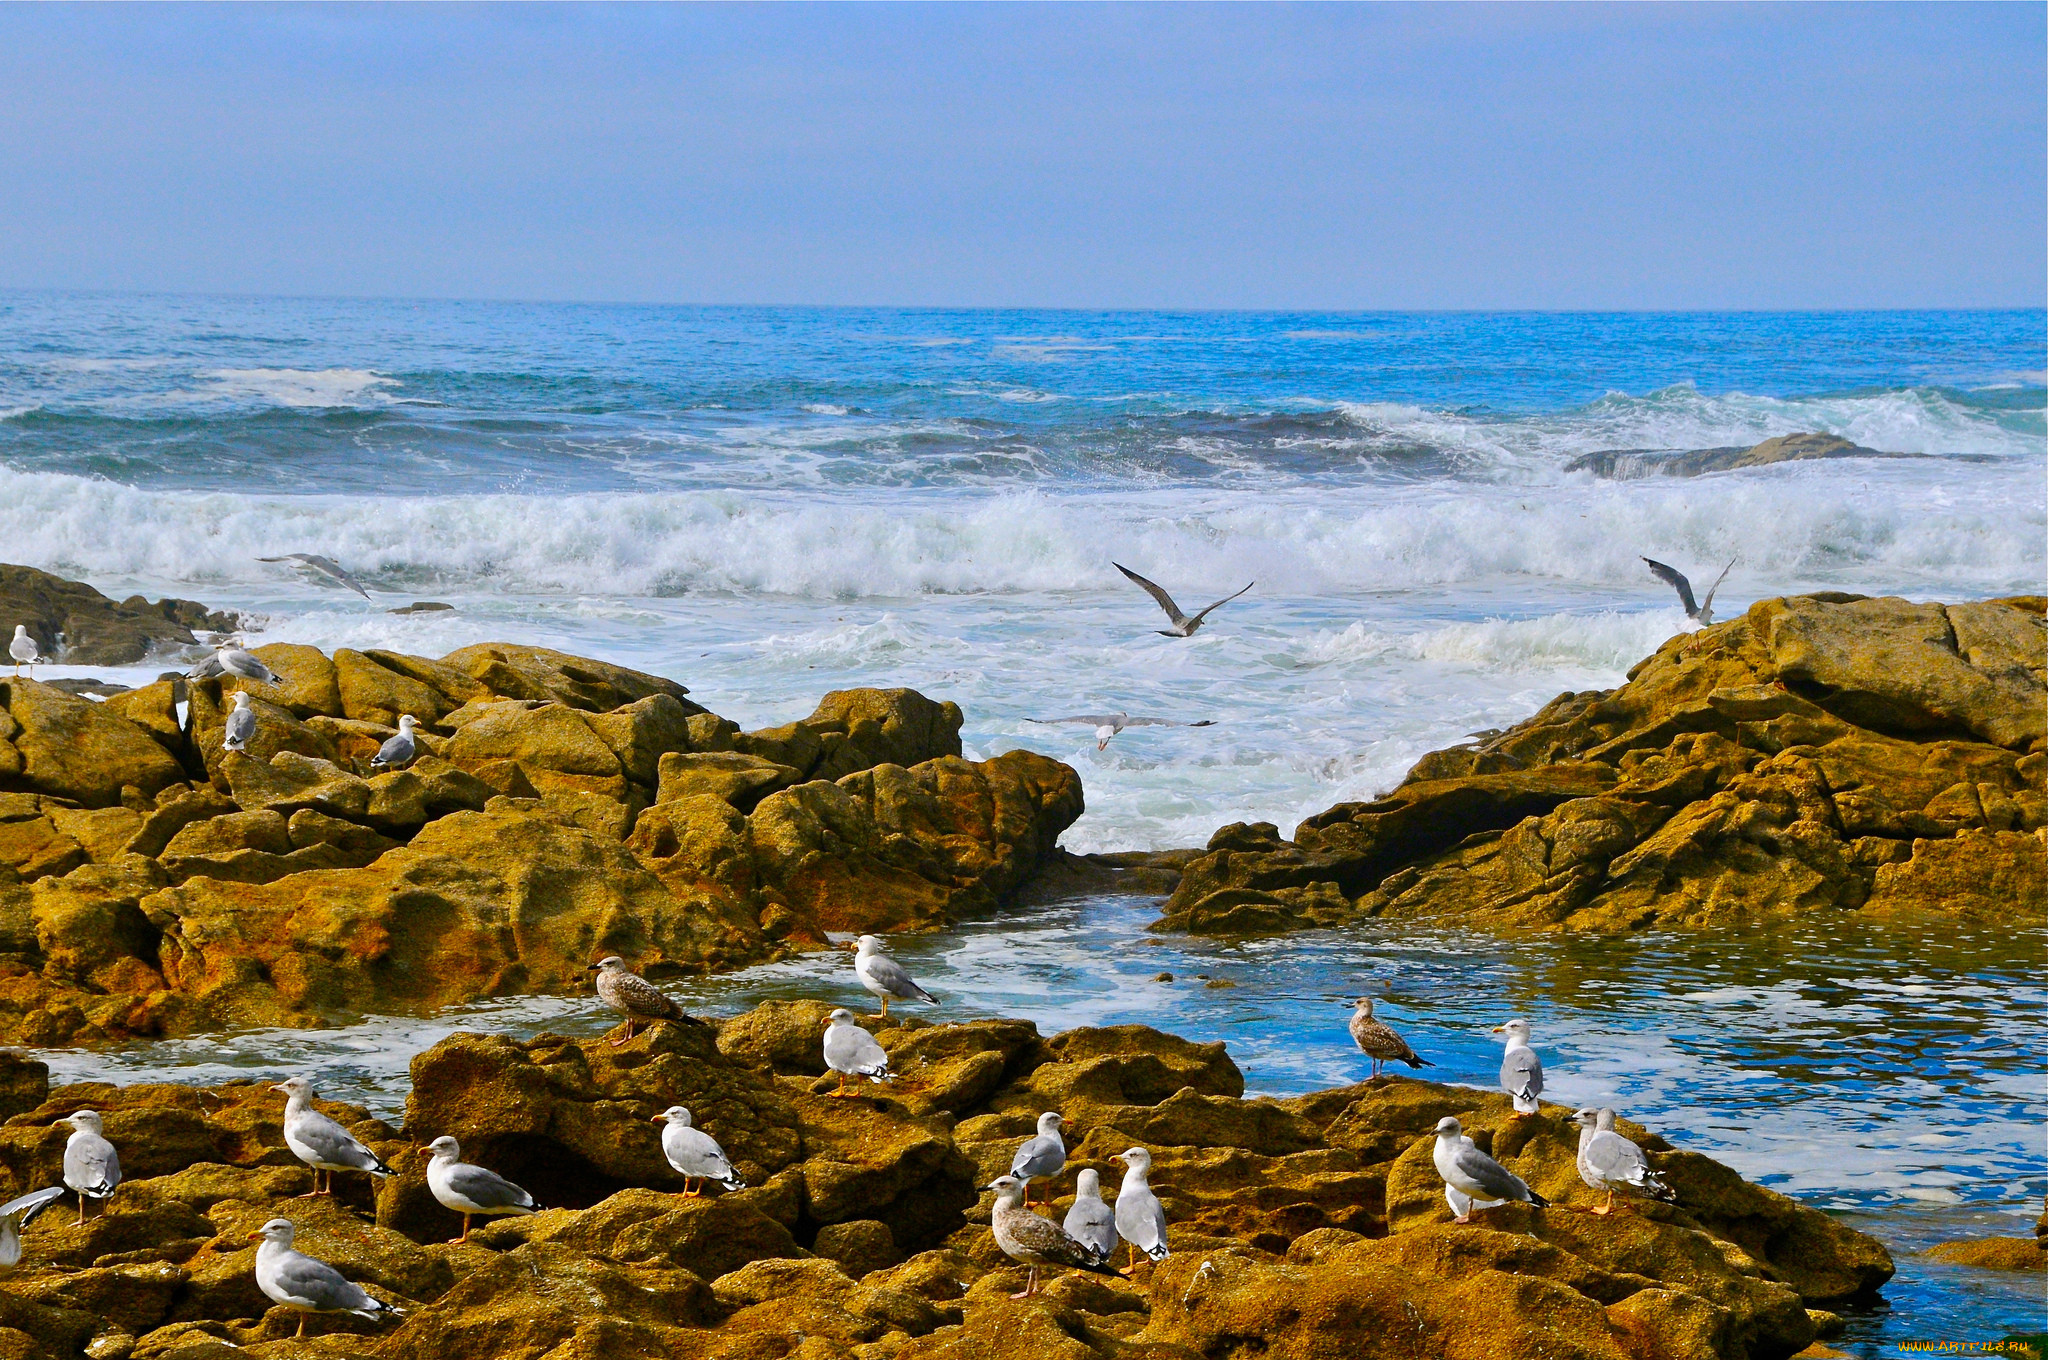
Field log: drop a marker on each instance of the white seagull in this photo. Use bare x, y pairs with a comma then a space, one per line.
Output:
1091, 1221
884, 976
92, 1168
320, 1141
326, 566
229, 659
24, 650
1183, 625
471, 1190
15, 1216
1521, 1071
1610, 1162
1107, 725
1140, 1217
1042, 1157
694, 1153
1474, 1174
398, 751
241, 724
308, 1283
852, 1052
1702, 612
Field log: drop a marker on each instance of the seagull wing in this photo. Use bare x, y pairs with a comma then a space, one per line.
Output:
1494, 1180
307, 1279
1708, 603
333, 1144
487, 1188
1224, 601
1167, 722
895, 979
241, 726
1050, 1242
334, 569
1173, 614
1675, 578
1521, 1073
24, 1210
1089, 719
1040, 1156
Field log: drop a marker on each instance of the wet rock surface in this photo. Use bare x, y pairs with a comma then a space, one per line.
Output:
1785, 448
559, 809
1305, 1227
1819, 753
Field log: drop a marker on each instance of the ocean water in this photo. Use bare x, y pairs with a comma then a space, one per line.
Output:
768, 503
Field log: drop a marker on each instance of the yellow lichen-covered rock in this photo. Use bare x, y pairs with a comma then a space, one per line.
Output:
1993, 1253
540, 674
73, 748
729, 776
374, 692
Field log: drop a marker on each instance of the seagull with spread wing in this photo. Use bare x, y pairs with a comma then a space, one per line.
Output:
1183, 625
1107, 725
326, 566
1703, 611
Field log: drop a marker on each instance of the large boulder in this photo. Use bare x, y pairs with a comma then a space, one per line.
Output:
59, 744
97, 631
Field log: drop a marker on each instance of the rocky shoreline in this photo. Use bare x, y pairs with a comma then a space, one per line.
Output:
1316, 1225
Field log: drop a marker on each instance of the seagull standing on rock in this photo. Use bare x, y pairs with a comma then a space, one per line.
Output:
1377, 1040
320, 1141
884, 976
630, 994
1184, 625
307, 1283
229, 659
1091, 1222
24, 650
852, 1052
398, 751
92, 1168
1140, 1217
1474, 1174
1521, 1071
1610, 1162
1036, 1240
471, 1190
1042, 1157
694, 1153
241, 724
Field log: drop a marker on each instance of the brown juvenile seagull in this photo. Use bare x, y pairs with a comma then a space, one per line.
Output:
1377, 1040
631, 995
1037, 1241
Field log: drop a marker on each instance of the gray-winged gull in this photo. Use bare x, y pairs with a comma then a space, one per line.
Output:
92, 1168
320, 1141
1610, 1162
1091, 1221
1521, 1071
884, 976
1140, 1217
308, 1283
694, 1153
631, 995
853, 1052
1703, 611
229, 659
471, 1190
326, 566
1107, 725
1377, 1039
1041, 1157
1183, 625
15, 1216
1035, 1240
24, 650
1474, 1174
398, 750
240, 725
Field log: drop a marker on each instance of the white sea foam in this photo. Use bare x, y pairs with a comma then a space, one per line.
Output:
299, 387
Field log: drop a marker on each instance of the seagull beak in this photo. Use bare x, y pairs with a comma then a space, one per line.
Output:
254, 1236
1118, 1159
1500, 1029
659, 1119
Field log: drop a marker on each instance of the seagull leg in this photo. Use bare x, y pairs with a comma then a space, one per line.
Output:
302, 1327
1030, 1285
465, 1229
1608, 1207
617, 1040
885, 1007
690, 1192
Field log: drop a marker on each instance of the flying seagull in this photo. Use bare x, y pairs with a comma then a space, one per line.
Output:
1183, 626
1671, 576
1107, 725
326, 566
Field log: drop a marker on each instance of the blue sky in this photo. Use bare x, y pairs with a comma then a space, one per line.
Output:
1670, 156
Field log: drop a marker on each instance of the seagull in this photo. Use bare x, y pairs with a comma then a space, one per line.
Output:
852, 1052
1036, 1241
1107, 725
1610, 1162
695, 1153
1091, 1222
241, 724
1183, 626
308, 1283
1043, 1157
15, 1216
1377, 1040
397, 752
24, 650
1703, 612
1140, 1217
321, 1142
91, 1166
1472, 1173
229, 659
326, 566
884, 976
627, 992
471, 1190
1521, 1071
